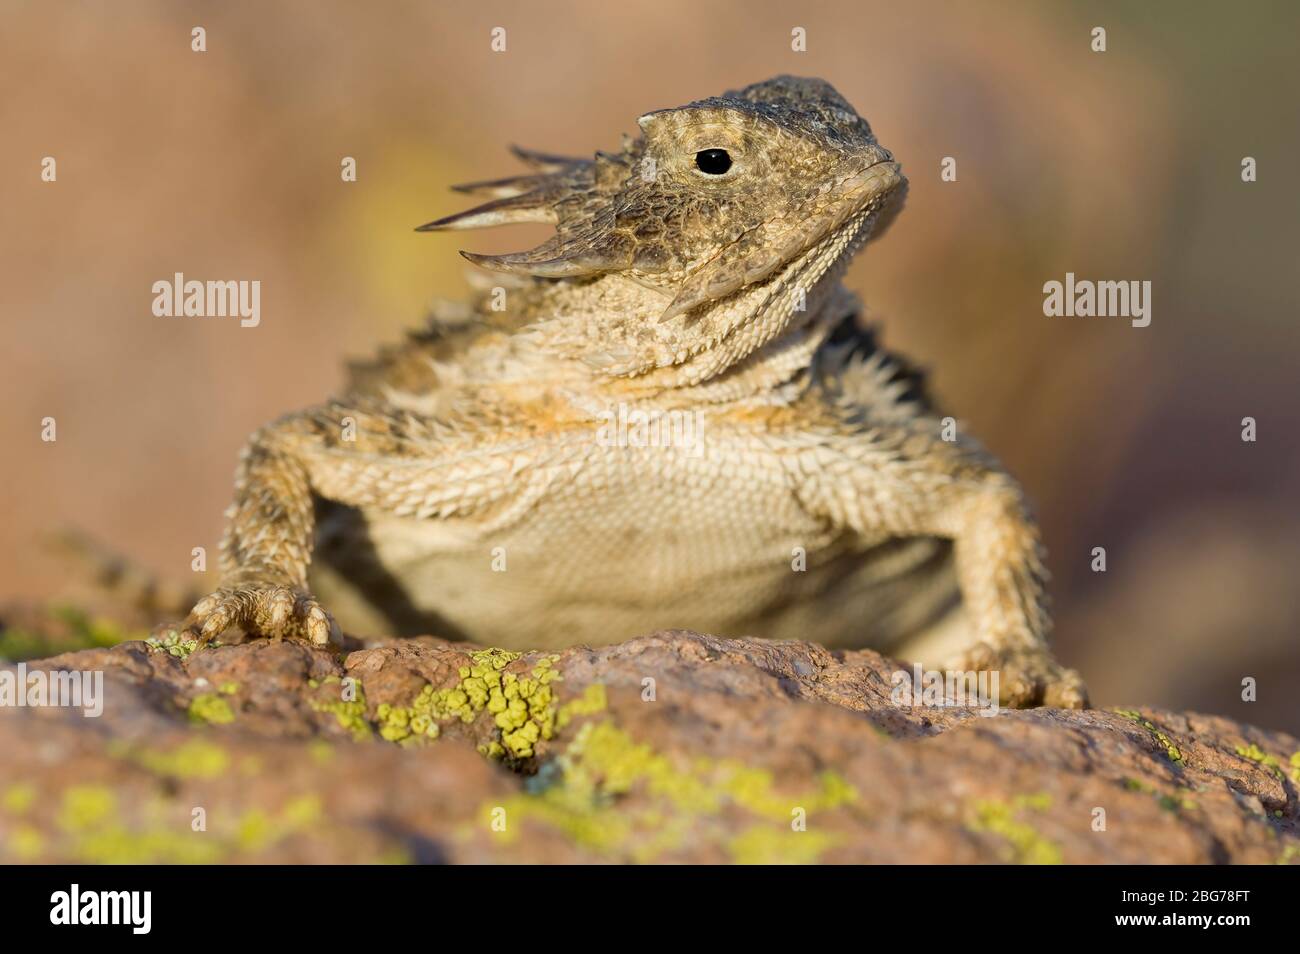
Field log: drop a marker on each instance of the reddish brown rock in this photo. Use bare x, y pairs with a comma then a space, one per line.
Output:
671, 747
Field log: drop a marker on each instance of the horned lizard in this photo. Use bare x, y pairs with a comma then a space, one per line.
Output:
666, 415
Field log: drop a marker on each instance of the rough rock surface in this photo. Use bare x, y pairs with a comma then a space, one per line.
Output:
671, 747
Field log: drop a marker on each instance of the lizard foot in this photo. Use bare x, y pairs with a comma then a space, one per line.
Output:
1027, 677
270, 609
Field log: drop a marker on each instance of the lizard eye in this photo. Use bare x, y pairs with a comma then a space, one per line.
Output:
714, 162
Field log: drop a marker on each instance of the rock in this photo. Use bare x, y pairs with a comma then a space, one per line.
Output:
673, 747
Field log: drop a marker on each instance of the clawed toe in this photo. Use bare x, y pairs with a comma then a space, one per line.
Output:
267, 609
320, 626
1028, 677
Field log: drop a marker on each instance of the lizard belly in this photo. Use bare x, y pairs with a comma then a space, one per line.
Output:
643, 539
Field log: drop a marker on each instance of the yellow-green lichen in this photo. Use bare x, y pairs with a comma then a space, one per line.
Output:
523, 707
615, 796
93, 832
753, 789
210, 708
407, 725
85, 806
1270, 762
1170, 803
193, 759
1172, 751
174, 644
255, 831
592, 701
119, 845
302, 812
18, 798
768, 845
351, 714
1001, 818
26, 843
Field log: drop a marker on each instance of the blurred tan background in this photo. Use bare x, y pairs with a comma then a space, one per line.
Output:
1122, 165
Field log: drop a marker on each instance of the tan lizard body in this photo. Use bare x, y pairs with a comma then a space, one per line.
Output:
665, 416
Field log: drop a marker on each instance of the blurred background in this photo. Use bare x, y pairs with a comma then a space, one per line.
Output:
1116, 165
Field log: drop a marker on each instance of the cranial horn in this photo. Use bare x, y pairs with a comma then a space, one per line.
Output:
589, 254
533, 206
527, 198
542, 161
505, 187
566, 192
520, 264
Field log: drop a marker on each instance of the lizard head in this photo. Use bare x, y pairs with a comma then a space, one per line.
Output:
722, 222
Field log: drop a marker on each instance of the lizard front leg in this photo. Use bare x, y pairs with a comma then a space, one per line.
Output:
1001, 574
267, 547
361, 454
912, 485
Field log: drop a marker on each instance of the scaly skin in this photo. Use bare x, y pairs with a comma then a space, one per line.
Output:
474, 481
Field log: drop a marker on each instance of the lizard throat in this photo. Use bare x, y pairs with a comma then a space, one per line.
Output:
609, 324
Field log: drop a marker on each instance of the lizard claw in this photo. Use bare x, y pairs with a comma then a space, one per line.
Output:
1027, 676
270, 609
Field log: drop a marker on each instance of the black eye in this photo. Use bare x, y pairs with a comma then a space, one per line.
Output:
713, 161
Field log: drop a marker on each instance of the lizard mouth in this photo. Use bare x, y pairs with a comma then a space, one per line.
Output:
881, 187
872, 194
